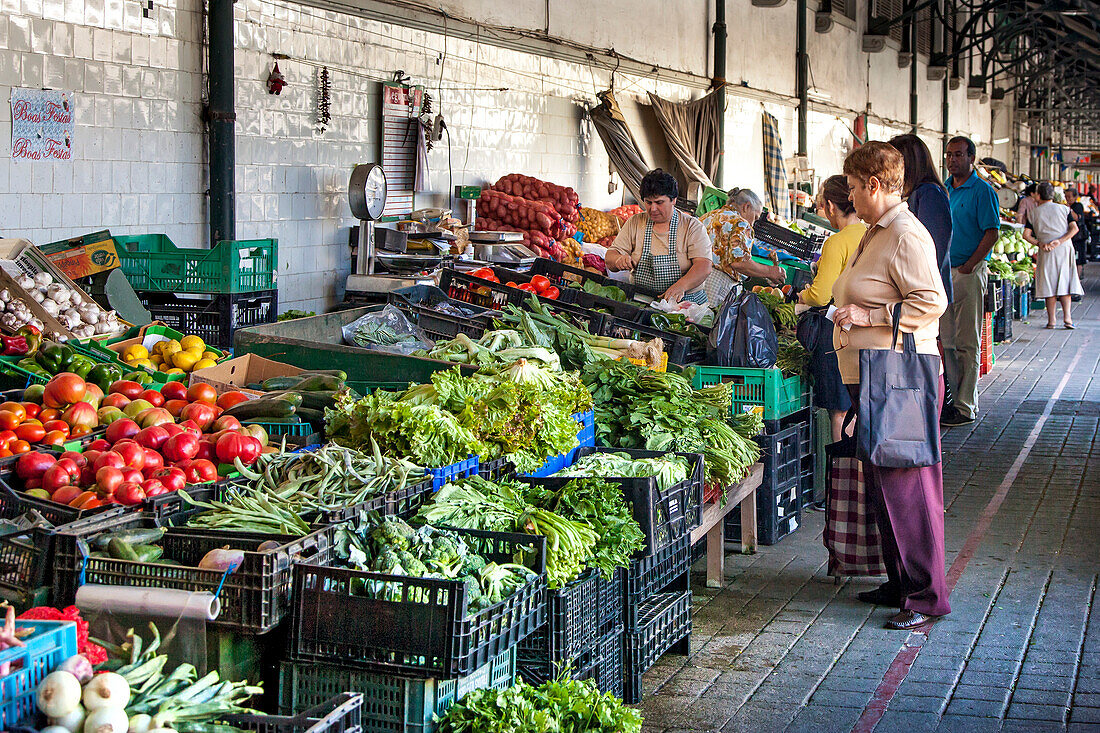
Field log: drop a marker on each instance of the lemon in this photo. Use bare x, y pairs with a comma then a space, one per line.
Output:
203, 364
157, 359
192, 343
170, 348
184, 360
135, 352
145, 364
164, 368
175, 370
210, 355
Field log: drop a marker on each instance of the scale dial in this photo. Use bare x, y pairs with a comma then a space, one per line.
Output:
367, 191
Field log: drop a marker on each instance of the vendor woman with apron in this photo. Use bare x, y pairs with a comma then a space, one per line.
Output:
668, 251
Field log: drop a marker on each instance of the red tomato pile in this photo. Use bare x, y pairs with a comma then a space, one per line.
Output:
144, 453
67, 409
539, 284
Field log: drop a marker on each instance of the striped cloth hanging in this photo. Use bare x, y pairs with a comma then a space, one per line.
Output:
775, 172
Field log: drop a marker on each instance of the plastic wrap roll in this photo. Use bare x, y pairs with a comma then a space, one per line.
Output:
199, 605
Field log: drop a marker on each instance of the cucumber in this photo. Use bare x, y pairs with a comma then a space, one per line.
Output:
121, 550
338, 373
258, 386
148, 553
141, 536
319, 400
278, 384
314, 417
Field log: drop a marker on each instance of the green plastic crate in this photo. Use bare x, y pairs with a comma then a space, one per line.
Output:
13, 376
391, 704
765, 391
101, 351
152, 262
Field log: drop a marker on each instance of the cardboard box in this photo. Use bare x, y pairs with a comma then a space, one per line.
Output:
83, 256
234, 374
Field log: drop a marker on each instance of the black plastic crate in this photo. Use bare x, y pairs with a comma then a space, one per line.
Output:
806, 481
664, 515
778, 513
994, 295
537, 668
664, 624
25, 559
628, 311
429, 630
680, 348
341, 714
781, 454
15, 502
572, 613
610, 660
254, 598
497, 469
564, 275
646, 577
611, 598
799, 245
420, 303
213, 318
1002, 322
486, 294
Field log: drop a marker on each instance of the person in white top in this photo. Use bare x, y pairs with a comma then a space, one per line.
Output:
1048, 226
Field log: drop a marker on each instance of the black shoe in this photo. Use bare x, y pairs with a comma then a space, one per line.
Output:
1075, 298
953, 418
881, 596
908, 620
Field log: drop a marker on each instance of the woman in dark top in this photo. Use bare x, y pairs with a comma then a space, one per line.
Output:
927, 198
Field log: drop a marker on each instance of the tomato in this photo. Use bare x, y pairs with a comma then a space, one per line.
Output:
108, 479
9, 420
30, 432
5, 453
153, 397
229, 446
82, 414
98, 444
55, 437
540, 282
110, 458
126, 388
527, 287
174, 391
511, 284
64, 389
201, 392
153, 462
483, 273
175, 407
80, 431
201, 471
87, 500
152, 437
225, 422
58, 425
33, 465
133, 455
65, 494
206, 450
78, 459
180, 447
200, 413
172, 478
31, 409
46, 414
19, 446
115, 400
55, 477
551, 292
250, 450
16, 409
230, 399
6, 436
121, 430
152, 488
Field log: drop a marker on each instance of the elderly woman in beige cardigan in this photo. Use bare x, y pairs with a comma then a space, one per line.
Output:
894, 263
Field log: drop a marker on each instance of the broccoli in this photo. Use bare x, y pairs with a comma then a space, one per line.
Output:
413, 566
472, 564
394, 532
388, 562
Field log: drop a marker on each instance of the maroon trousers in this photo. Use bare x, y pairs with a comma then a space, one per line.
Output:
908, 508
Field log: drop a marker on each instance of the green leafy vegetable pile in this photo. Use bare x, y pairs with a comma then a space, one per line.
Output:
522, 412
586, 522
640, 408
793, 357
678, 323
391, 547
568, 706
669, 470
610, 292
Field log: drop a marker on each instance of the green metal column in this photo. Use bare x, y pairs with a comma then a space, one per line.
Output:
802, 78
913, 102
719, 83
220, 121
945, 117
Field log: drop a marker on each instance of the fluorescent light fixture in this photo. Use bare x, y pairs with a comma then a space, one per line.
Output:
1001, 141
818, 95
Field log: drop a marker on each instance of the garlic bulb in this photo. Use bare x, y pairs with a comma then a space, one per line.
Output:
42, 279
51, 307
25, 282
59, 294
38, 296
5, 295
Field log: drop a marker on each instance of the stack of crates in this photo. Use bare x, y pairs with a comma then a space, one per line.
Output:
209, 293
986, 353
787, 443
656, 612
1002, 317
1021, 302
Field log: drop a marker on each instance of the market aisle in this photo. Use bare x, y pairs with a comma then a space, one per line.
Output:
783, 648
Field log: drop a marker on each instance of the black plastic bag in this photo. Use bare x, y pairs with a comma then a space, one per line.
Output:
743, 334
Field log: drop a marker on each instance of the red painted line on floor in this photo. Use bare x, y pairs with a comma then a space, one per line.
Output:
903, 662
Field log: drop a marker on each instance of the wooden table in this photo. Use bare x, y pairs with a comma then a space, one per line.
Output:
714, 520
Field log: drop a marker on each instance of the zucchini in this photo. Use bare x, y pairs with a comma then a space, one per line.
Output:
319, 400
278, 384
314, 417
319, 383
338, 373
121, 550
140, 536
148, 553
282, 405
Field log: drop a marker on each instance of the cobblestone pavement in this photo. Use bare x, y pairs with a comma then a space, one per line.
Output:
782, 647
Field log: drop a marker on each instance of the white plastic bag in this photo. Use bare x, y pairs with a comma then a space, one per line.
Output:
386, 330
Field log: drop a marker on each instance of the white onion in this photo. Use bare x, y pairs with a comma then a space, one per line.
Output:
42, 279
140, 723
106, 690
107, 719
55, 729
58, 694
72, 722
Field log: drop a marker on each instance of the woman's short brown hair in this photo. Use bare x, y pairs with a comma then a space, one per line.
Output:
835, 191
880, 160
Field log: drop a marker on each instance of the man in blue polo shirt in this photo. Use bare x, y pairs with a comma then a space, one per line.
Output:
975, 226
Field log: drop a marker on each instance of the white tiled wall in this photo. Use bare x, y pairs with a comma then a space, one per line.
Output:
139, 163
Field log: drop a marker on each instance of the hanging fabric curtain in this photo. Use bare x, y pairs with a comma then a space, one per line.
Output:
622, 149
691, 130
775, 171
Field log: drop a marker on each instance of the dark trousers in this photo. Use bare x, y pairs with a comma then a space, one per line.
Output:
908, 508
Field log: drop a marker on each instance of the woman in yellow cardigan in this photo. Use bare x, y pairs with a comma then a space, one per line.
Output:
833, 204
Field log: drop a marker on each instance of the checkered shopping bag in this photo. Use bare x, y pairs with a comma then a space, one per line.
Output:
851, 535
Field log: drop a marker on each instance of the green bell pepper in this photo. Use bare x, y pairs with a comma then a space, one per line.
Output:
103, 375
54, 357
81, 365
28, 363
140, 376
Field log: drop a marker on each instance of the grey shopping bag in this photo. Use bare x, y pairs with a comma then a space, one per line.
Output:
899, 424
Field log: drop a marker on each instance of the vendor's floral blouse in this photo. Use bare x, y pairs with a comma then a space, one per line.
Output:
731, 234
